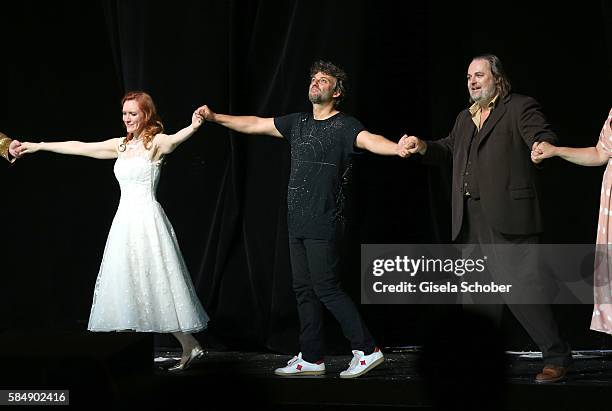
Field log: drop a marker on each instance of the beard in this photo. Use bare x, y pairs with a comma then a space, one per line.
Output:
320, 97
486, 95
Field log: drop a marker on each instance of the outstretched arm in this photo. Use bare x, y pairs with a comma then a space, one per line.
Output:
380, 145
103, 149
587, 156
242, 124
168, 143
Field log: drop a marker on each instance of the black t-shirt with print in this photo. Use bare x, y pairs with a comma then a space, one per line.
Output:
321, 153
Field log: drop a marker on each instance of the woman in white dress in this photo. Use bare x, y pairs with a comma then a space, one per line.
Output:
143, 284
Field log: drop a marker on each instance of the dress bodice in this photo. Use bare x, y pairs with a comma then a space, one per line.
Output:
136, 173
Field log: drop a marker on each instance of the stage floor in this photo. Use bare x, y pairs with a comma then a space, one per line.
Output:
118, 371
398, 382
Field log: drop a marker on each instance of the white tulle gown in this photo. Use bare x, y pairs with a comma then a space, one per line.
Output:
143, 284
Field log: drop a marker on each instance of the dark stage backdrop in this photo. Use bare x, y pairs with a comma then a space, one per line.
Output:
67, 64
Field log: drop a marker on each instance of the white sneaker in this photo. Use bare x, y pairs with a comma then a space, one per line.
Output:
297, 366
361, 363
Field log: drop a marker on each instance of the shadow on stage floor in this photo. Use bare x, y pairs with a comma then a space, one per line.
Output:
117, 370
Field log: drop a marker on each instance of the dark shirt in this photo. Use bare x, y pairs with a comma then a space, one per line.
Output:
321, 154
470, 177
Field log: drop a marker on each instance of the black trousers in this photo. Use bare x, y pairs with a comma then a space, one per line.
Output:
511, 259
316, 284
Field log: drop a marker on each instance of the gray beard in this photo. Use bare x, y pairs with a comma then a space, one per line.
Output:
320, 98
485, 96
316, 99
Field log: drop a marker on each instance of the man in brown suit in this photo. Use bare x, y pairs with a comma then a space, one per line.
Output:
495, 195
9, 149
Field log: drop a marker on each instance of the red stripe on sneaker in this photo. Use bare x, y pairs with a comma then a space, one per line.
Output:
299, 367
362, 362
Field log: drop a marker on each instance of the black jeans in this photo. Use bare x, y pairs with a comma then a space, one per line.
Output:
316, 284
515, 261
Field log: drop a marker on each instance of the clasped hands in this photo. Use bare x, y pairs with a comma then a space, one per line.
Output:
15, 148
409, 145
541, 150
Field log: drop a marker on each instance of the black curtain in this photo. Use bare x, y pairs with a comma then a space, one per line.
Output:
57, 83
68, 63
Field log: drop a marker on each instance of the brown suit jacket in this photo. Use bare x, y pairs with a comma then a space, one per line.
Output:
506, 176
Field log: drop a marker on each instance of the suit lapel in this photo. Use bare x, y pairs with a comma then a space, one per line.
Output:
467, 132
496, 114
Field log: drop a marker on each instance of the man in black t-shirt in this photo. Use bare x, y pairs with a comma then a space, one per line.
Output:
321, 152
322, 144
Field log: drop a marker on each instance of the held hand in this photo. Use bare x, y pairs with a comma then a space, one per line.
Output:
206, 113
542, 150
415, 145
197, 118
15, 148
29, 148
403, 148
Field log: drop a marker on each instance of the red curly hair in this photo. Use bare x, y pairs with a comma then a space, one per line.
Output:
151, 125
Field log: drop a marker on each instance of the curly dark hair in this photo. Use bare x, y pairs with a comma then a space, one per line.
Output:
329, 68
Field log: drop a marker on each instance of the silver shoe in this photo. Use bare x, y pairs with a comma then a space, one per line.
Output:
196, 354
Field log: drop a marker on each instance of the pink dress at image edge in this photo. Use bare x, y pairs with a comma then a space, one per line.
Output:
602, 310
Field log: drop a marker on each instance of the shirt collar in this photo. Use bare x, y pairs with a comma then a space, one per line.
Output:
475, 108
